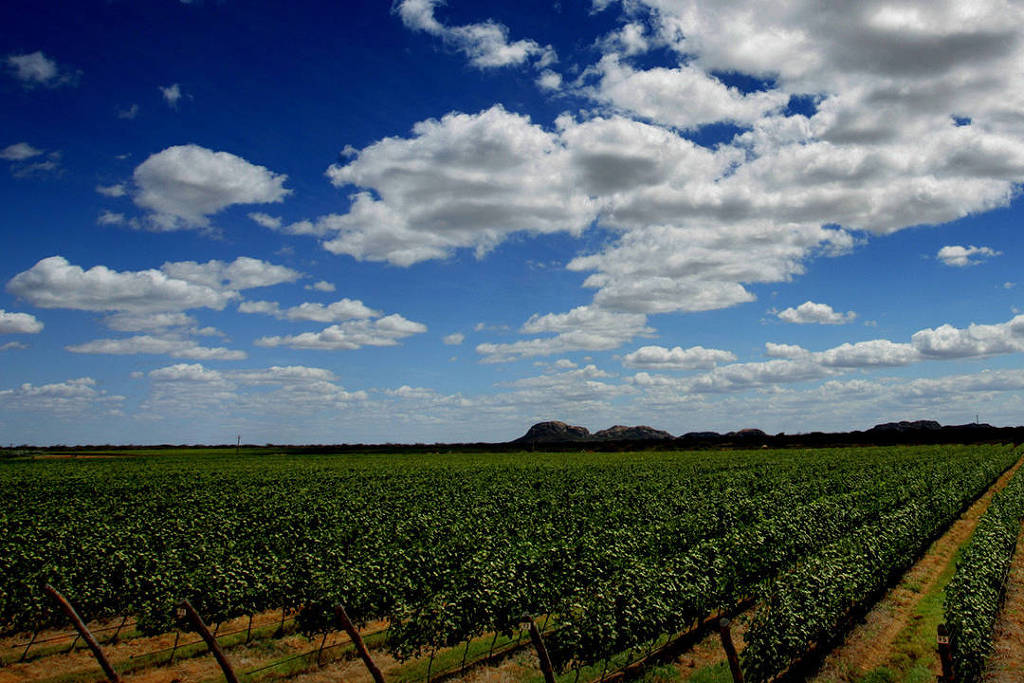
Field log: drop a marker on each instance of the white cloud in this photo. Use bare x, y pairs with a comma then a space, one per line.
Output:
265, 307
192, 389
343, 309
736, 378
790, 351
463, 181
677, 358
22, 168
129, 113
583, 328
694, 226
19, 151
148, 322
943, 342
321, 286
810, 312
172, 94
70, 396
349, 335
874, 353
186, 372
110, 218
35, 68
947, 341
549, 80
242, 273
266, 220
54, 283
684, 97
12, 346
116, 190
184, 185
956, 255
19, 323
486, 44
176, 348
454, 339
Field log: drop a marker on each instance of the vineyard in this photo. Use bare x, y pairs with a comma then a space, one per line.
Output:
436, 558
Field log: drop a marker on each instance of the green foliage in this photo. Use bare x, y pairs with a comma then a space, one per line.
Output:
621, 548
812, 601
975, 593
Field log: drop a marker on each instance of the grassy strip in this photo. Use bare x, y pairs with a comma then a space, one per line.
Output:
975, 593
913, 651
292, 665
194, 648
12, 655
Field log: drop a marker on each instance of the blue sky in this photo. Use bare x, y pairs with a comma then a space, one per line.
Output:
435, 221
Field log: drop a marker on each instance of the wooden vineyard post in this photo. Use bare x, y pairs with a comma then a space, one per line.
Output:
187, 611
526, 623
66, 607
357, 640
945, 654
730, 650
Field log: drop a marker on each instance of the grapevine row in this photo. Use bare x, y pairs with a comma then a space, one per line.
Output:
810, 603
622, 548
974, 595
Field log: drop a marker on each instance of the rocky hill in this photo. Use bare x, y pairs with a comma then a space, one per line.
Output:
639, 433
553, 432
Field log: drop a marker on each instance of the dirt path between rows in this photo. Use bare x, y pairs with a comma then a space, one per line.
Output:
870, 644
1007, 662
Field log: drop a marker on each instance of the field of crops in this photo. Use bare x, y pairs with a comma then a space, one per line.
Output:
620, 551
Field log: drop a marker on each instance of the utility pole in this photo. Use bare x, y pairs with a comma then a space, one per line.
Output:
238, 445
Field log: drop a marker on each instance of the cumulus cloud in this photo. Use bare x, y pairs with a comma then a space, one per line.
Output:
737, 377
879, 149
956, 255
110, 218
61, 398
486, 44
343, 309
790, 351
116, 190
129, 113
19, 323
242, 273
873, 353
36, 69
266, 220
186, 184
454, 339
684, 97
55, 283
172, 94
321, 286
148, 322
349, 335
12, 346
191, 388
148, 344
19, 151
583, 328
676, 358
810, 312
463, 181
947, 341
941, 343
